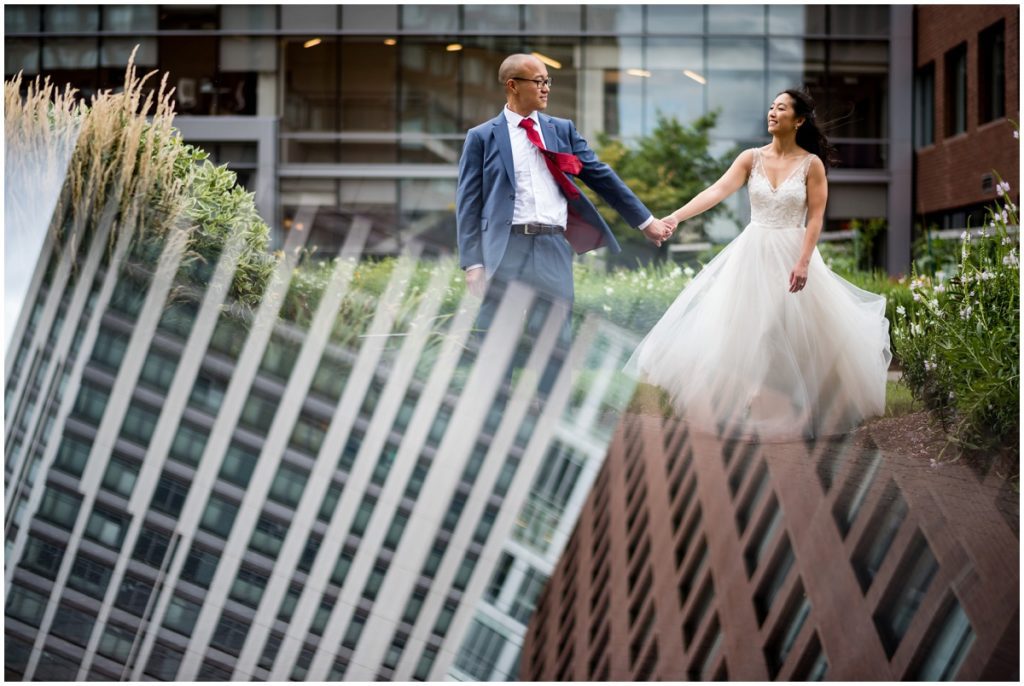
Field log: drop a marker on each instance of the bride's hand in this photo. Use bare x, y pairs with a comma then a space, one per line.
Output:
798, 278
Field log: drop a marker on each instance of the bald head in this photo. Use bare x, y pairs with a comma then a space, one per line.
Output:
515, 65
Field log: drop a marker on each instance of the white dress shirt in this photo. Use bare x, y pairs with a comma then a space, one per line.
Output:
539, 200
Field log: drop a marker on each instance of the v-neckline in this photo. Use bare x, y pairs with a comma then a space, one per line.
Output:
764, 172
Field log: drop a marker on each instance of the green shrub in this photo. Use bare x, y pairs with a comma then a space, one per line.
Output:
959, 339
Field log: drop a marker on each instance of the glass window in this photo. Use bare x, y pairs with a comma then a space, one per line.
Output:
60, 507
249, 586
288, 485
21, 19
208, 392
181, 615
858, 20
310, 90
677, 19
279, 357
614, 18
89, 576
158, 371
490, 18
879, 535
188, 444
904, 596
394, 534
480, 651
375, 579
425, 663
288, 604
116, 643
992, 73
211, 671
552, 19
133, 596
465, 571
70, 18
341, 567
25, 604
788, 628
120, 476
739, 19
129, 18
21, 55
248, 17
498, 578
129, 293
90, 403
322, 616
308, 434
219, 516
858, 81
268, 536
164, 662
431, 19
200, 566
796, 20
170, 495
239, 463
736, 86
178, 318
309, 553
107, 528
151, 547
674, 87
308, 17
444, 618
139, 424
330, 377
374, 17
229, 336
924, 106
42, 557
362, 517
952, 640
412, 608
330, 502
355, 630
55, 667
429, 75
270, 649
109, 348
526, 597
258, 412
229, 635
384, 462
613, 92
956, 90
72, 624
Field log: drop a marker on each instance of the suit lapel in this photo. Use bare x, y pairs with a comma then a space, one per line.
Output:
501, 137
551, 139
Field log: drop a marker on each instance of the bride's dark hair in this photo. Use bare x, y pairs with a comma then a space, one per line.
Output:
809, 135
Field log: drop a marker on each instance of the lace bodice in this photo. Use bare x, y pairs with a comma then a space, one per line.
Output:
784, 206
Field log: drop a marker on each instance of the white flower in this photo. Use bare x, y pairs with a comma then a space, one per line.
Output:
607, 308
929, 366
917, 297
986, 275
688, 270
940, 289
933, 463
1002, 187
965, 313
1016, 133
900, 309
940, 275
1005, 215
1007, 240
965, 236
934, 303
609, 290
1011, 259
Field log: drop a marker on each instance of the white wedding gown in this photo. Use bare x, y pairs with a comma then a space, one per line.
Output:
741, 356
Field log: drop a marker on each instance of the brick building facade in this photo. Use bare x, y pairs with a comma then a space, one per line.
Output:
699, 559
957, 63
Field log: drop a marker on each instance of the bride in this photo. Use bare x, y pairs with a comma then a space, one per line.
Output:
766, 342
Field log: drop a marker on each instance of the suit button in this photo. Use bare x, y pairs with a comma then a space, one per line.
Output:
511, 196
508, 221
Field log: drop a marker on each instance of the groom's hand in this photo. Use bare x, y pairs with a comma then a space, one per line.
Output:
476, 281
658, 231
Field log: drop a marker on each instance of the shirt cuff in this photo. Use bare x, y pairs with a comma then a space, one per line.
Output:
474, 266
646, 223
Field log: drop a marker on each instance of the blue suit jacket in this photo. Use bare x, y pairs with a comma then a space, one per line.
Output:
487, 192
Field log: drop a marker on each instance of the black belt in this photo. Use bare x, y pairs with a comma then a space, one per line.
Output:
536, 229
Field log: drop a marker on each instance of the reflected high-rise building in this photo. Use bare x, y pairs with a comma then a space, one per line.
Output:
697, 558
339, 481
361, 110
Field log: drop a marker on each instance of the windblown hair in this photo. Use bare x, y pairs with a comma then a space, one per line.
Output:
810, 135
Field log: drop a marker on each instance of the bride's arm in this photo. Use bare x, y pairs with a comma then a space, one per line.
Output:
731, 181
817, 195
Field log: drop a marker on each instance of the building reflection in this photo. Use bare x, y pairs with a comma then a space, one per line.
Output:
702, 558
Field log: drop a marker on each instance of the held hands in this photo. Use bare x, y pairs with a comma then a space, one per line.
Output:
660, 230
798, 277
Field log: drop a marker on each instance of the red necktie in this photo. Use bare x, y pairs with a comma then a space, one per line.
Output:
557, 162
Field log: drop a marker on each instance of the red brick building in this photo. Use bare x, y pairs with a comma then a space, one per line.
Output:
699, 559
967, 91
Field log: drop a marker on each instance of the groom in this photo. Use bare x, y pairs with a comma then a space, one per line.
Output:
519, 216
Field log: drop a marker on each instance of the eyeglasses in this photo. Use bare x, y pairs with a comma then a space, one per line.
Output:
539, 82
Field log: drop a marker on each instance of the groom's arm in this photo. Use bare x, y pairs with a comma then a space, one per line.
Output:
607, 184
469, 201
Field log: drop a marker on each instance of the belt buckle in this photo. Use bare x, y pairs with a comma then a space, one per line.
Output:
528, 230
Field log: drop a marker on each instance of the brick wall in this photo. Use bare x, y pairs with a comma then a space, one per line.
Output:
949, 172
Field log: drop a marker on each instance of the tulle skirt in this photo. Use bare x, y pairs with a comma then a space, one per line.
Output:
741, 356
